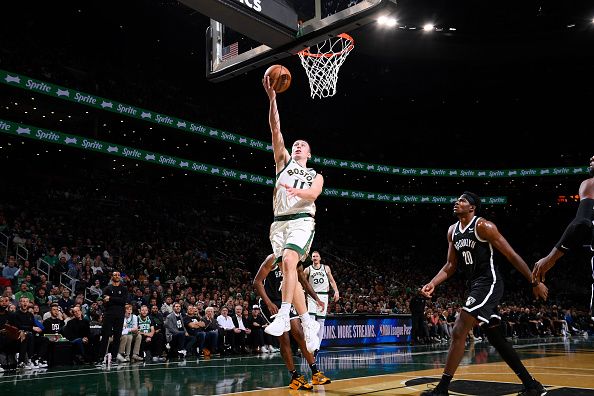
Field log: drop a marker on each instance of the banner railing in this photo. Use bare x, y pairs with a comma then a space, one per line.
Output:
98, 102
55, 137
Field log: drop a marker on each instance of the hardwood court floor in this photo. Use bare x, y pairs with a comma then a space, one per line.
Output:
565, 367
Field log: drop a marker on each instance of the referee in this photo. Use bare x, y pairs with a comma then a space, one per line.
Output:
115, 296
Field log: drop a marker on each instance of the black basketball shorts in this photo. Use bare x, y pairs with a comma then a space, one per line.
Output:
482, 301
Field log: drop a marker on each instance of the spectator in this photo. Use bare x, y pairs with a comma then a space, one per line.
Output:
159, 338
54, 324
144, 338
96, 288
78, 331
33, 349
129, 331
195, 328
181, 278
167, 306
11, 271
256, 324
176, 333
211, 329
226, 330
66, 302
240, 331
24, 292
97, 265
42, 300
64, 253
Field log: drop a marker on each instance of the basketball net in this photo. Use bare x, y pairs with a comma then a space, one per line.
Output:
322, 62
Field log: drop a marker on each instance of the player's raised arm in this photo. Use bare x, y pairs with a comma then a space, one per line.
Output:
281, 155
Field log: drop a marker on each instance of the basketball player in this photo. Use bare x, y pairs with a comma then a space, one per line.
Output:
292, 231
320, 278
471, 241
267, 283
578, 233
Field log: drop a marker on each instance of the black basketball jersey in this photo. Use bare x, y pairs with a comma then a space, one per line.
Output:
272, 284
475, 255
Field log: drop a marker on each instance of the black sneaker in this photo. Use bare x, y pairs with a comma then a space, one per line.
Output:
536, 390
435, 392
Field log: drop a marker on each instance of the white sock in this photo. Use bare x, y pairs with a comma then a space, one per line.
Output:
285, 309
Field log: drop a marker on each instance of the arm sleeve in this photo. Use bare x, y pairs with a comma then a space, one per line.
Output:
579, 231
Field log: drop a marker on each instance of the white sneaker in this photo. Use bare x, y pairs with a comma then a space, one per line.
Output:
310, 331
26, 366
264, 349
182, 353
41, 363
279, 325
273, 349
121, 359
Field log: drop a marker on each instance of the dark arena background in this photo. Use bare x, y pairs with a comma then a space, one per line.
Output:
119, 153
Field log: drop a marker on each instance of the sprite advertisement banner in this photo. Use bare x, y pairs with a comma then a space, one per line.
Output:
84, 143
72, 95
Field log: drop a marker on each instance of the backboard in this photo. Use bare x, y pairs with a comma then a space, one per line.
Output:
247, 34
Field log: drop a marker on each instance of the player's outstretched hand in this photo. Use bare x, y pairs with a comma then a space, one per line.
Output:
320, 305
541, 291
541, 267
291, 192
272, 308
268, 88
427, 290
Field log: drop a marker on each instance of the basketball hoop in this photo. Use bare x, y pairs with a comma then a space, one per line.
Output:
322, 62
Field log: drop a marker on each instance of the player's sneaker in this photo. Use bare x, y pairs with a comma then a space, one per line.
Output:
300, 383
435, 392
279, 325
310, 331
536, 390
320, 379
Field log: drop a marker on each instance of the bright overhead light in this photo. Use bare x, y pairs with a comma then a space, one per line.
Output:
387, 21
428, 27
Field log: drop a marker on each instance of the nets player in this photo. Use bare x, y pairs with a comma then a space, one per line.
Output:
471, 241
320, 278
296, 189
578, 233
267, 283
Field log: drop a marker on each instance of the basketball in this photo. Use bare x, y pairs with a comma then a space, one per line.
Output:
280, 77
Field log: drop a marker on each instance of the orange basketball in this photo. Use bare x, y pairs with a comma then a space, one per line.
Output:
280, 77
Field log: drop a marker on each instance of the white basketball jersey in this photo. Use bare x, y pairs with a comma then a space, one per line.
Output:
295, 176
318, 278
